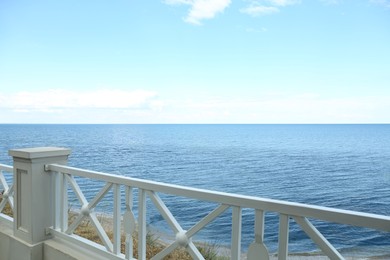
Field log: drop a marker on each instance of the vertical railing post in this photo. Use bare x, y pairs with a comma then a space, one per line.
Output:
57, 199
236, 233
63, 200
129, 223
142, 224
283, 236
117, 220
34, 191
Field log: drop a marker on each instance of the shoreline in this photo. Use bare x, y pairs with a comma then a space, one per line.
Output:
370, 253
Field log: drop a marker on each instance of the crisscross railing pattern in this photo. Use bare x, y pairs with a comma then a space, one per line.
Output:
64, 182
8, 190
286, 210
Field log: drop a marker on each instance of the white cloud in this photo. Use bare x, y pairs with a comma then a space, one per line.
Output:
265, 7
331, 2
201, 9
56, 99
282, 108
256, 10
120, 106
385, 3
284, 2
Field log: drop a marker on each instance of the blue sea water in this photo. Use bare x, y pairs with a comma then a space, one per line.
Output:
341, 166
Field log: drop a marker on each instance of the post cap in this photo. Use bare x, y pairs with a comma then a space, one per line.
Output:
39, 152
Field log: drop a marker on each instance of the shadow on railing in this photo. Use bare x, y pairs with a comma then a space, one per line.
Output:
64, 183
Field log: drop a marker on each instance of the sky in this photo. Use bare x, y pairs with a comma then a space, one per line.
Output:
195, 61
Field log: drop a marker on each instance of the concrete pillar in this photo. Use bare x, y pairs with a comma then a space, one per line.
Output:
34, 191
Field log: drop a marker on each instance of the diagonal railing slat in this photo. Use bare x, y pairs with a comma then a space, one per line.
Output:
76, 189
101, 232
181, 236
86, 211
8, 197
194, 252
169, 249
318, 238
74, 224
8, 189
165, 212
92, 204
206, 220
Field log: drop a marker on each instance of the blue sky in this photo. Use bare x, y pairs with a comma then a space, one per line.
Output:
195, 61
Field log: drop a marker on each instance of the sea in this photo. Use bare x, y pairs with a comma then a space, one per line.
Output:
339, 166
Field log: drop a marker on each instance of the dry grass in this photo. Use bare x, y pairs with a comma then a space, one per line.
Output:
153, 244
7, 209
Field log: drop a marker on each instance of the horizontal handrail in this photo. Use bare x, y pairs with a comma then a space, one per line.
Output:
341, 216
6, 168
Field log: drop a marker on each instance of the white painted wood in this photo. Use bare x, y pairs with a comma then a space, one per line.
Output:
165, 212
34, 191
236, 233
87, 245
8, 189
210, 217
74, 224
57, 200
129, 198
142, 232
106, 188
348, 217
76, 189
129, 222
6, 219
257, 250
64, 202
194, 252
283, 236
11, 197
101, 232
2, 180
6, 168
166, 251
128, 247
259, 226
298, 210
318, 238
117, 220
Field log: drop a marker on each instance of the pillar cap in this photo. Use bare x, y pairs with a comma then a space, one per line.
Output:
39, 152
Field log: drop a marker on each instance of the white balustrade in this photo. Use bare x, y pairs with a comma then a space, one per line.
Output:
287, 211
64, 181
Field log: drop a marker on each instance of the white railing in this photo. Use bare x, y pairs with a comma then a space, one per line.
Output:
64, 182
65, 178
7, 191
